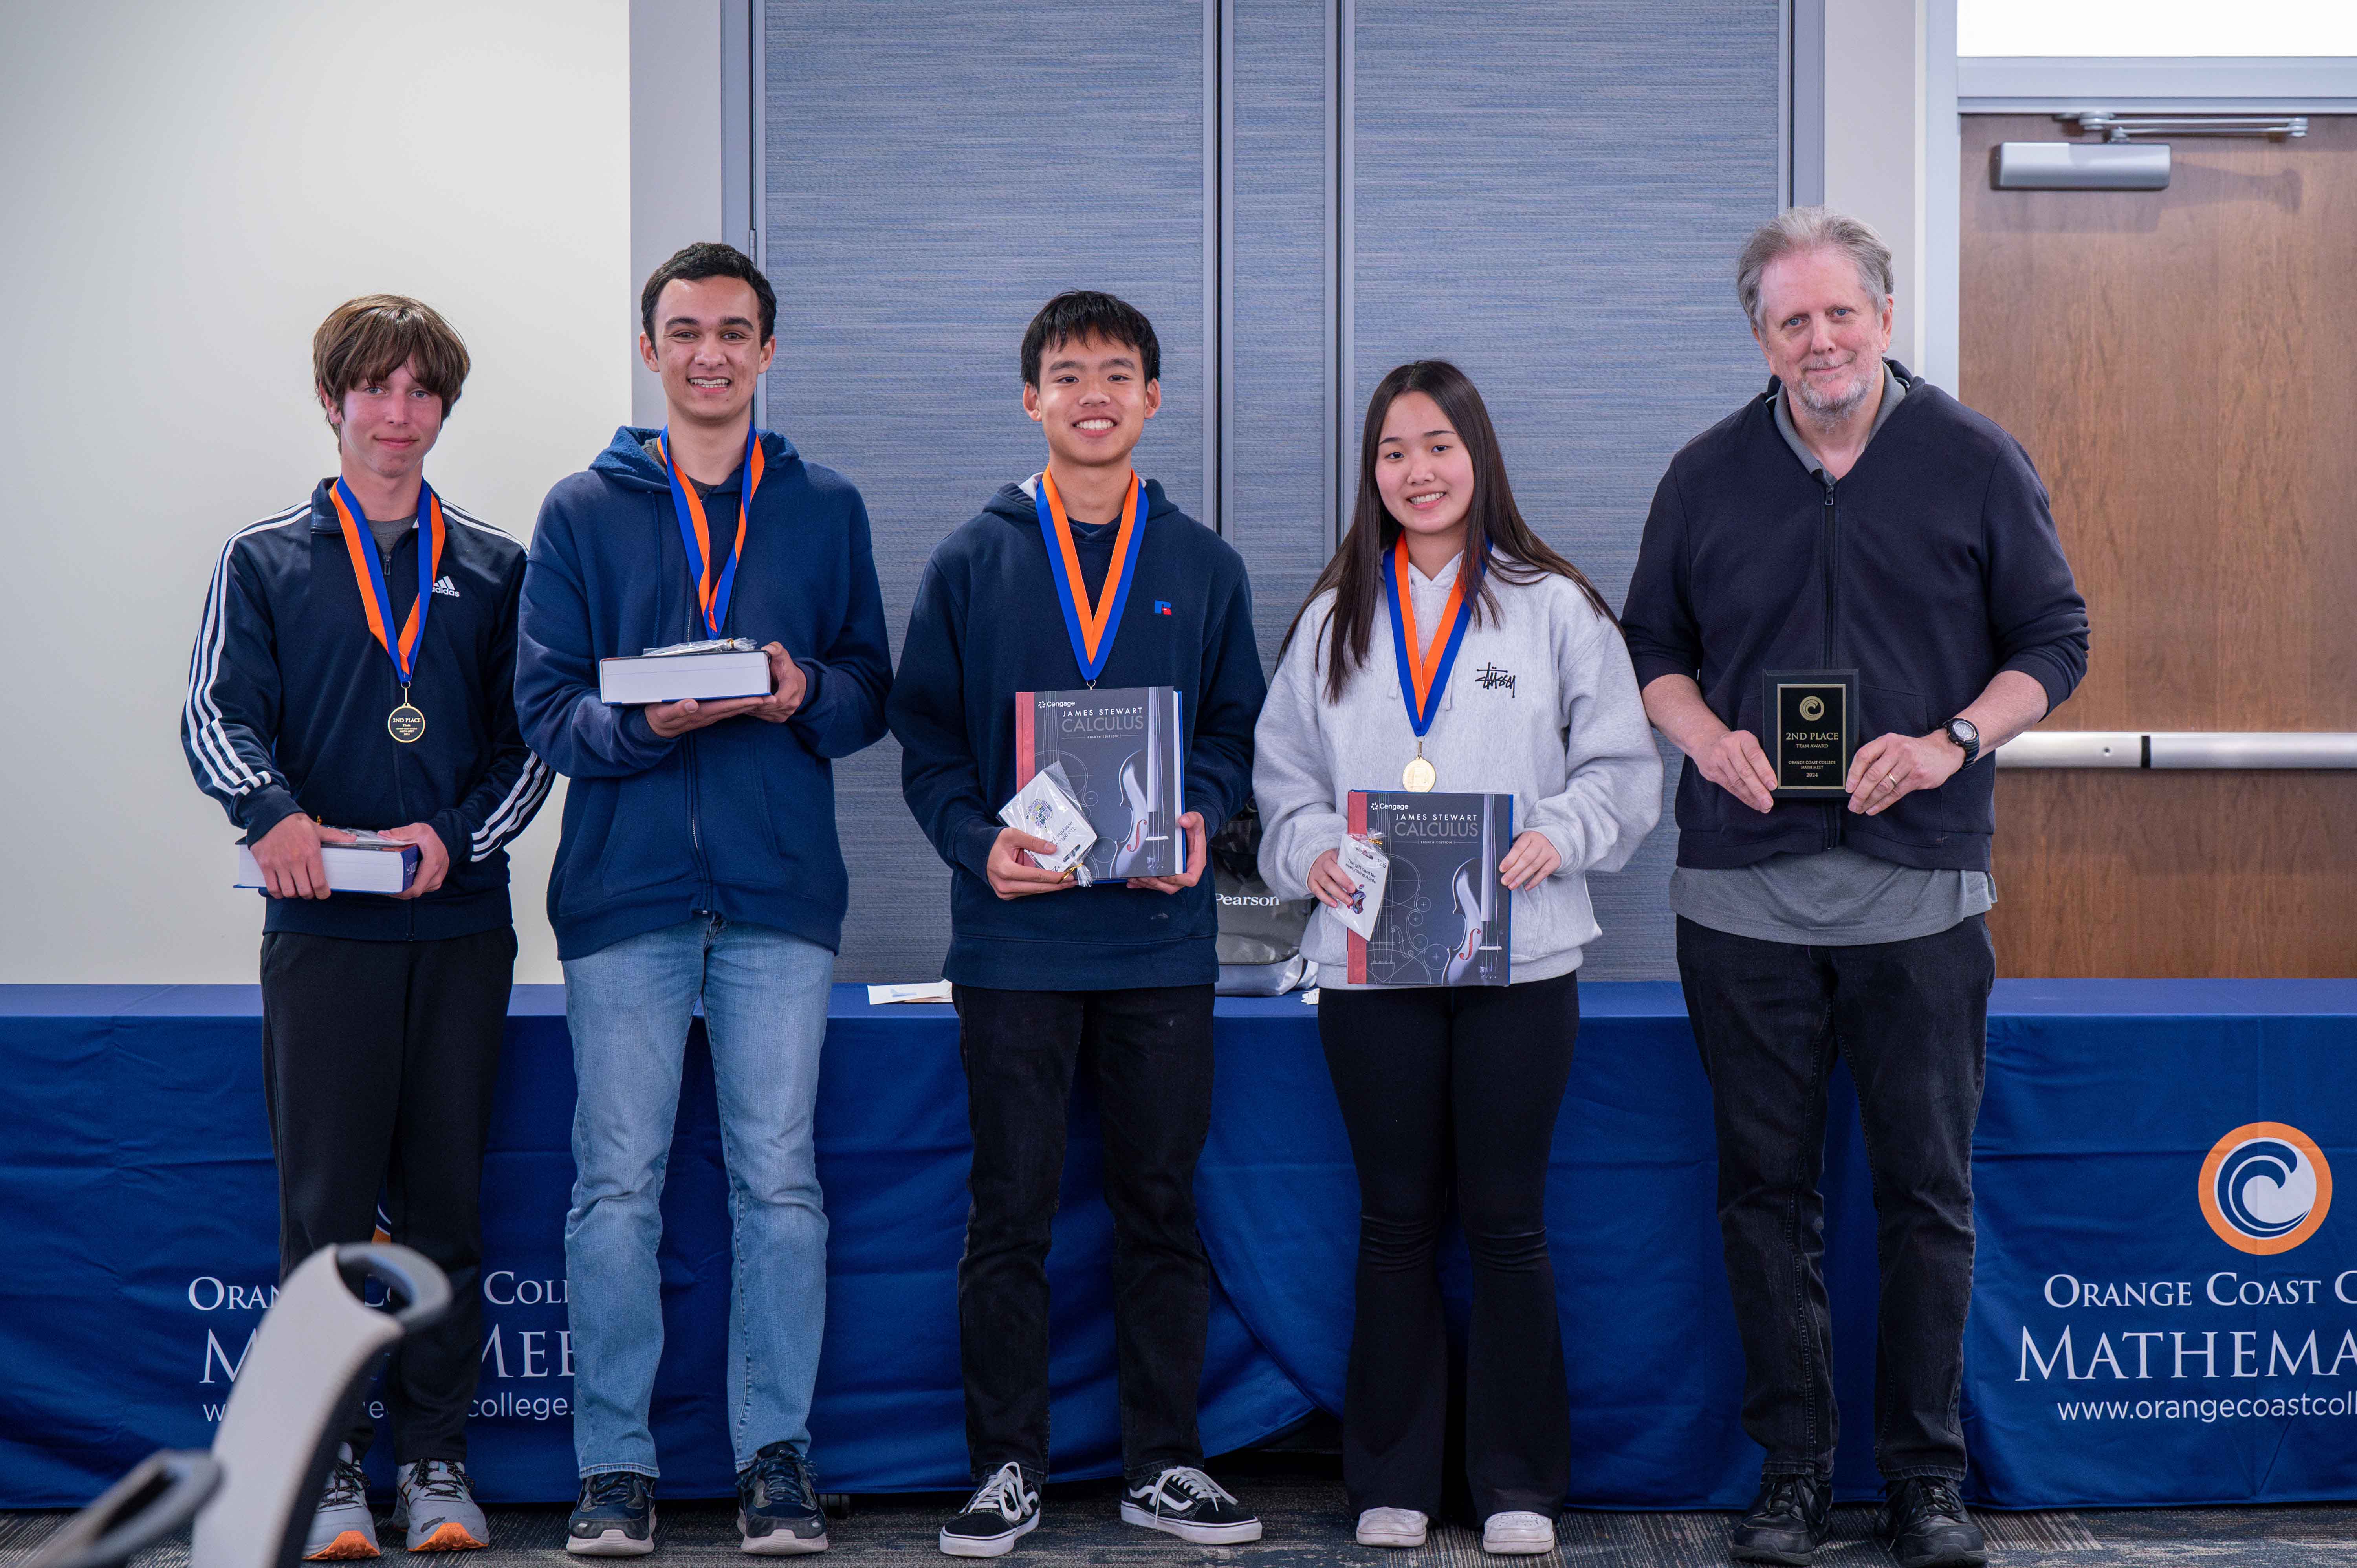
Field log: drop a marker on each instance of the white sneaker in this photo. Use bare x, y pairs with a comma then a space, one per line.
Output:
1518, 1534
1392, 1526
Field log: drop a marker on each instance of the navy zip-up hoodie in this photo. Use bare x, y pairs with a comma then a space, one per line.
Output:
1931, 566
986, 625
738, 819
288, 697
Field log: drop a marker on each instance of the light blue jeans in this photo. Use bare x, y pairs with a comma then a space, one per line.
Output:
764, 995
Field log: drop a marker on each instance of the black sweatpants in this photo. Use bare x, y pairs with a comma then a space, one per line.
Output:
1151, 1049
1446, 1088
378, 1059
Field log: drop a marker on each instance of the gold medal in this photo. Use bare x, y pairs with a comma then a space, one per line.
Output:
1423, 671
406, 724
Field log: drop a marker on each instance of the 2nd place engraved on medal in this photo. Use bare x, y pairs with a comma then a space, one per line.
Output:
405, 724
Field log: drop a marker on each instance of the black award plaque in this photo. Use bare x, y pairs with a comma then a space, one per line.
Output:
1812, 725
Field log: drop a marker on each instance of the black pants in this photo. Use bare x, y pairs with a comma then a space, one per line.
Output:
1152, 1055
378, 1059
1912, 1019
1443, 1088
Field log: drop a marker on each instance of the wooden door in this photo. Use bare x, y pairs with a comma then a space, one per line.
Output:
2182, 367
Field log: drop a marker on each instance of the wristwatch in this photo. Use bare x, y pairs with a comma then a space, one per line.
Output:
1964, 733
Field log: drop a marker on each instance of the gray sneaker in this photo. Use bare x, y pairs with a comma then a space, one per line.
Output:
341, 1526
434, 1503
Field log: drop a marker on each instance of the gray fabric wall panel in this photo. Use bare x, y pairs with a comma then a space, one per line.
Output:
1281, 310
1551, 194
934, 172
1549, 191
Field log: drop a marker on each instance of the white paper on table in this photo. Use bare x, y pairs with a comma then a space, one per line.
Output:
930, 991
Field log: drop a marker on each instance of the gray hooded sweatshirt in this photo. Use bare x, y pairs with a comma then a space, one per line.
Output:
1541, 704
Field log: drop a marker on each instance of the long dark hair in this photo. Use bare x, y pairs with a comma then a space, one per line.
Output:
1497, 540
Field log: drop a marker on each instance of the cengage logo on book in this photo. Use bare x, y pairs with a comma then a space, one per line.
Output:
2265, 1187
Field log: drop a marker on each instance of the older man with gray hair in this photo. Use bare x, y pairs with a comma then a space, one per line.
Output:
1849, 592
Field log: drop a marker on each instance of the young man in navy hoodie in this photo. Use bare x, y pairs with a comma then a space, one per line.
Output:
353, 669
700, 863
1044, 971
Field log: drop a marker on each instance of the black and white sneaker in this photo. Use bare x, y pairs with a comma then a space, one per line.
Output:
778, 1512
1003, 1510
615, 1517
1185, 1502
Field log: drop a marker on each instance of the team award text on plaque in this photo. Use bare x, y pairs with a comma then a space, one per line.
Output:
1810, 718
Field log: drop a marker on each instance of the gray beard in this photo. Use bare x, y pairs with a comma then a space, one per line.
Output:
1834, 410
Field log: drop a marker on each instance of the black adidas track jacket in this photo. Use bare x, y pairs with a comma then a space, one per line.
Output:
288, 698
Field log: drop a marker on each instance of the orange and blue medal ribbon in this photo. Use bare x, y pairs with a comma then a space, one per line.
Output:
1423, 672
695, 533
376, 599
1091, 627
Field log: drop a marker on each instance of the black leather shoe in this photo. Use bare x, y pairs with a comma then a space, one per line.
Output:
1787, 1521
1925, 1525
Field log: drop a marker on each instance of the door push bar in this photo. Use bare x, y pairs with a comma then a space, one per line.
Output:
2179, 748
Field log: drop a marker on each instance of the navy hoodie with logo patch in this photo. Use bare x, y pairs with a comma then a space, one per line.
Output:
987, 624
738, 819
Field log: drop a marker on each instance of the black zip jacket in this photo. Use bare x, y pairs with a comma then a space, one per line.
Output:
1931, 566
288, 694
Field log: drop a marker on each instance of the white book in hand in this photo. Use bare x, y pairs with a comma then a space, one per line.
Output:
708, 672
371, 865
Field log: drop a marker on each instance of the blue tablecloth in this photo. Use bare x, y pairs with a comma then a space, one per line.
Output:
136, 1207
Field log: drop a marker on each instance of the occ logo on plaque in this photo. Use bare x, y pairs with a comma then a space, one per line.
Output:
2265, 1187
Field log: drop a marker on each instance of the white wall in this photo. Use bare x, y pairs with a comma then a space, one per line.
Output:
676, 134
2157, 27
1874, 141
187, 190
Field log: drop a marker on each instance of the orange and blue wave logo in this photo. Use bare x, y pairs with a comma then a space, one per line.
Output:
2265, 1187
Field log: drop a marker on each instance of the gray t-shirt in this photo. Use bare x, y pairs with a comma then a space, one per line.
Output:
387, 533
1835, 897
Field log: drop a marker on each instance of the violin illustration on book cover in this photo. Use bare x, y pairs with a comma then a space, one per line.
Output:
1445, 918
1120, 748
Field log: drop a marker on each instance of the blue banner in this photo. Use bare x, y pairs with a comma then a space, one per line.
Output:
2165, 1309
140, 1217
